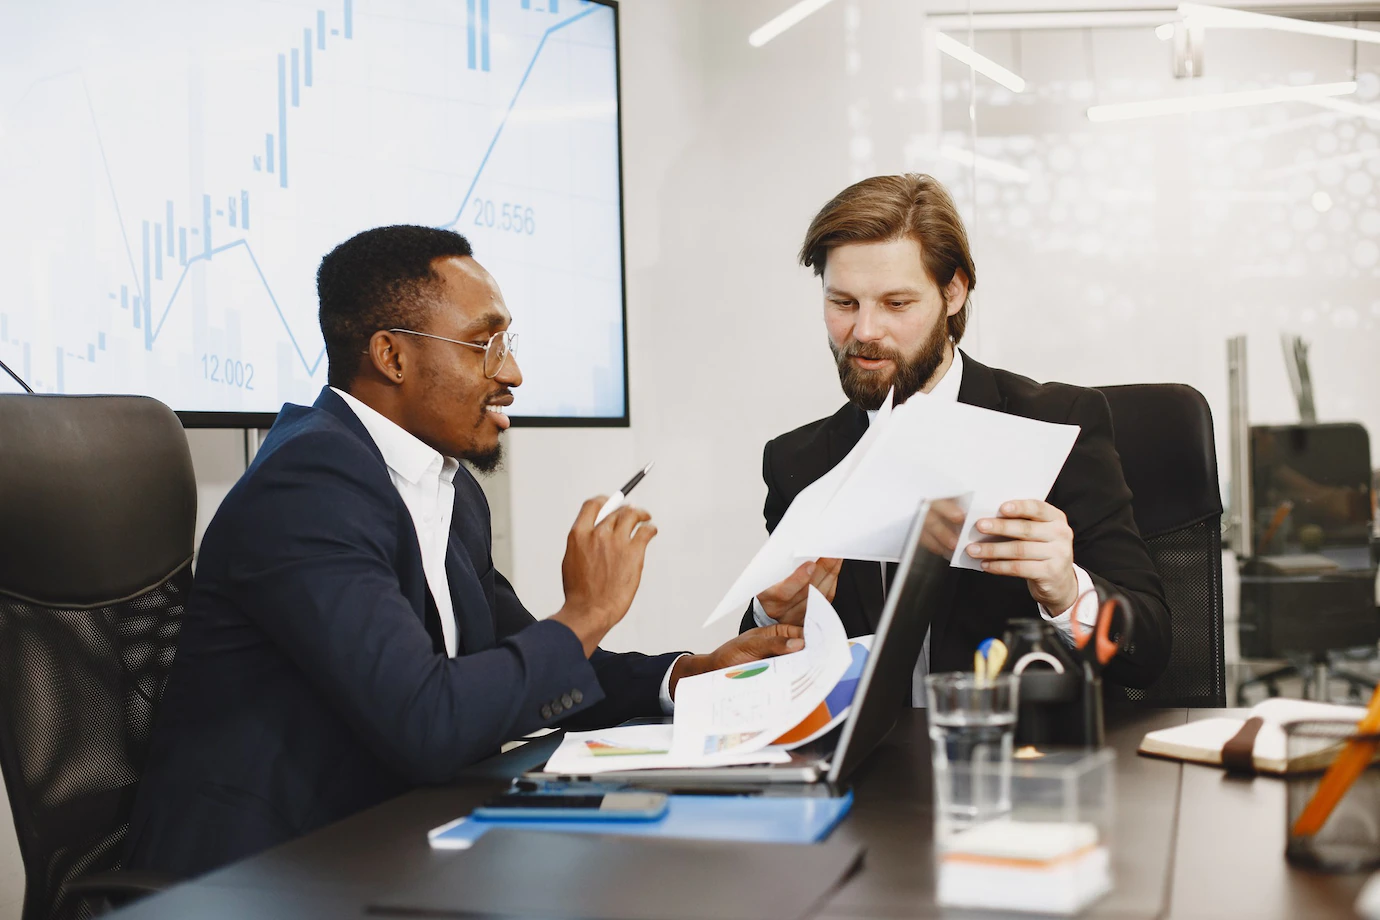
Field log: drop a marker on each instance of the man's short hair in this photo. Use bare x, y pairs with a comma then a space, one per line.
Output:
379, 279
886, 208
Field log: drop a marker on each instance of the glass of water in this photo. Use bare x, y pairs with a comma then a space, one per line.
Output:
972, 725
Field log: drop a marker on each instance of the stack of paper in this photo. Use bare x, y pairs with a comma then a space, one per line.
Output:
746, 714
927, 448
1035, 867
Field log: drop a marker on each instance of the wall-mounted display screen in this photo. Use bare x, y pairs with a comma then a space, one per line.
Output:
174, 170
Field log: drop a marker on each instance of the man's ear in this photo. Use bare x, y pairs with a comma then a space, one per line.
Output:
385, 357
956, 292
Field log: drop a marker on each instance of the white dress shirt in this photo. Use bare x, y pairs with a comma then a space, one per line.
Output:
947, 388
425, 480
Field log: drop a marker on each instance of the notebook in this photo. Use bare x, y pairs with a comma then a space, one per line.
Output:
1254, 744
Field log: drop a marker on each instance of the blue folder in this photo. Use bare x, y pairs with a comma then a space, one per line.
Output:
757, 819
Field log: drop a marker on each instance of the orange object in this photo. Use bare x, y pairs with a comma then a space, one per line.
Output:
1350, 764
1276, 521
812, 723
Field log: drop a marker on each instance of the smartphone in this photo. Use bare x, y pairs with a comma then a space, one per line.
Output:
609, 806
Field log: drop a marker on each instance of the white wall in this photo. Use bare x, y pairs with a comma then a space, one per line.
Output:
728, 151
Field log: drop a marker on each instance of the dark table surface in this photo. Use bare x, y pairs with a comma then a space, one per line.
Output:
1189, 842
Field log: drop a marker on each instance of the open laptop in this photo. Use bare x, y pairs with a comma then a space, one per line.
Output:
883, 690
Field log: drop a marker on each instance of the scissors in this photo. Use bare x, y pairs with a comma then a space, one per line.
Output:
1096, 643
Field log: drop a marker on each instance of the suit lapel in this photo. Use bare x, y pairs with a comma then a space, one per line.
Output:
468, 598
330, 401
472, 614
979, 386
850, 424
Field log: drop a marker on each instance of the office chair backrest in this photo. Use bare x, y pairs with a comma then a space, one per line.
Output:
1163, 433
97, 515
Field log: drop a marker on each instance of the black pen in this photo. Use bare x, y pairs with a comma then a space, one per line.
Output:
617, 498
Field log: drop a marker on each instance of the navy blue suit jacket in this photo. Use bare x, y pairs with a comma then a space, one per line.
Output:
310, 680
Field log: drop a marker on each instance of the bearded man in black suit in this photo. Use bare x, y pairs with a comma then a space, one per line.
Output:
893, 258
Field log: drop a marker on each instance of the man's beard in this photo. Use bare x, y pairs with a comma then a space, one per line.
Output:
868, 388
486, 461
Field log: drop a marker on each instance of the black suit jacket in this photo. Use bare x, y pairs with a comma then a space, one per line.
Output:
1090, 490
310, 679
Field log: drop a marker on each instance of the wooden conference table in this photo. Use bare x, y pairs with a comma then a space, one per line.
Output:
1189, 842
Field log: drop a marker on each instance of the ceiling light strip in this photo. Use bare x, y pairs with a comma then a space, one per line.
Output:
1218, 17
790, 17
1151, 108
1347, 108
983, 65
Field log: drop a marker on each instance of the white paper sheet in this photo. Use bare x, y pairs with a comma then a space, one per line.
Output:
638, 747
746, 708
778, 557
932, 448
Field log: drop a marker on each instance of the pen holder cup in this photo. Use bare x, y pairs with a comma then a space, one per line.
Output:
1349, 840
1059, 708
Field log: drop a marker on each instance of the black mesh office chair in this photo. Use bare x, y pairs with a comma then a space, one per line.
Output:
97, 514
1164, 436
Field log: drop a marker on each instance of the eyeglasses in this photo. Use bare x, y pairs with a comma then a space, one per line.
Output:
496, 350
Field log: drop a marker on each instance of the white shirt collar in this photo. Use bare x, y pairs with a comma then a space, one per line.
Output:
403, 451
946, 388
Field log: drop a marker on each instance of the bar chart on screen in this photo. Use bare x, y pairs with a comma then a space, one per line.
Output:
174, 172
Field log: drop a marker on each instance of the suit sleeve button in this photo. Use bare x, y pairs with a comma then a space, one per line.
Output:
577, 696
556, 708
546, 712
567, 700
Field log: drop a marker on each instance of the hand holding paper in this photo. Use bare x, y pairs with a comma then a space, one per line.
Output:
731, 716
925, 449
778, 557
744, 648
746, 708
932, 448
786, 601
1038, 547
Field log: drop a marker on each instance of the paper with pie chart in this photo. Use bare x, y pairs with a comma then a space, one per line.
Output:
830, 714
746, 714
746, 708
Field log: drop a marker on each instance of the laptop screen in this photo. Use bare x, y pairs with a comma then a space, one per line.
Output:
884, 689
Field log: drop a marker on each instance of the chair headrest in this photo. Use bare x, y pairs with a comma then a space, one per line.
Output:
1164, 436
97, 498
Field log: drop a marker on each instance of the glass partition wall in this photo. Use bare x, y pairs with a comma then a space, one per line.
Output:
1141, 186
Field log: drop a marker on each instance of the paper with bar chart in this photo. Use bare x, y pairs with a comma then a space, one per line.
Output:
173, 171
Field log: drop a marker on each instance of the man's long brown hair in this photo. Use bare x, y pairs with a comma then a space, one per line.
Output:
891, 208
